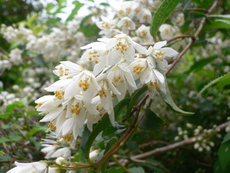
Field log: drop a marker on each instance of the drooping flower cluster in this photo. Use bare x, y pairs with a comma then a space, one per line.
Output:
84, 97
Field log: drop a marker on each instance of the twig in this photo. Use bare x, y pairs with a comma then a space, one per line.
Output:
119, 164
177, 145
195, 37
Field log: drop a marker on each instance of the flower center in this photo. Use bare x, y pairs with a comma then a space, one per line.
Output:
76, 109
159, 55
84, 84
59, 94
122, 47
138, 69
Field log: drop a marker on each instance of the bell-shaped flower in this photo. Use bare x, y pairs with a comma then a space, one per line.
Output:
143, 32
67, 69
126, 24
33, 167
85, 84
121, 77
106, 25
144, 16
166, 31
157, 55
122, 47
106, 95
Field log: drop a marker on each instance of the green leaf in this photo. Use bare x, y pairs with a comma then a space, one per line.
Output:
220, 16
2, 153
88, 137
115, 170
221, 81
136, 170
198, 65
168, 99
108, 146
35, 130
89, 30
4, 139
151, 121
226, 138
162, 14
224, 153
77, 7
10, 108
224, 21
120, 105
15, 137
134, 99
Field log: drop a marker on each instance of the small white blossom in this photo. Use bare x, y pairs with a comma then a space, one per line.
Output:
126, 24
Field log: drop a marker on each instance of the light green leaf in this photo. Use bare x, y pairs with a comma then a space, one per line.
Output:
2, 153
224, 21
4, 139
220, 16
162, 14
151, 121
222, 81
136, 170
35, 130
168, 99
77, 7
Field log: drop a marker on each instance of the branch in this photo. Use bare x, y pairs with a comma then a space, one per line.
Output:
195, 37
178, 144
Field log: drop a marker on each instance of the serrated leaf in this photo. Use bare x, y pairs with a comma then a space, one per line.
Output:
223, 79
168, 99
151, 121
162, 14
134, 98
224, 153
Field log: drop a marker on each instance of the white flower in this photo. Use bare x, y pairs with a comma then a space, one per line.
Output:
143, 32
62, 152
16, 56
106, 95
53, 170
122, 47
166, 31
122, 79
157, 55
144, 16
85, 84
126, 24
34, 167
106, 25
93, 154
67, 69
178, 20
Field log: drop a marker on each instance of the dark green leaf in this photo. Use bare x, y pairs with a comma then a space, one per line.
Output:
224, 153
89, 30
134, 99
198, 65
162, 14
151, 121
123, 103
88, 137
108, 146
115, 170
10, 108
226, 138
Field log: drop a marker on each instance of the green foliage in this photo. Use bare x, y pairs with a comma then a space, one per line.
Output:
151, 121
161, 15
